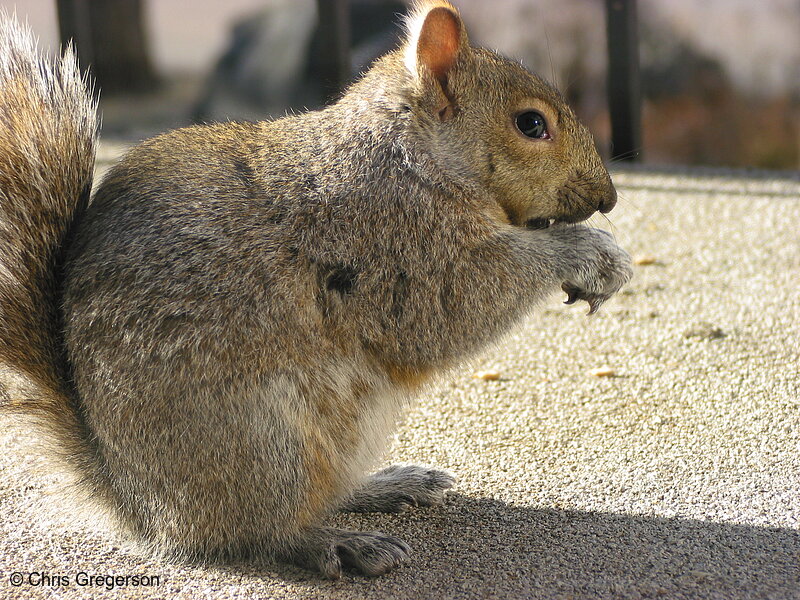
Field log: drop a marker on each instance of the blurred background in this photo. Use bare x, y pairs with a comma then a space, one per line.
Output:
719, 79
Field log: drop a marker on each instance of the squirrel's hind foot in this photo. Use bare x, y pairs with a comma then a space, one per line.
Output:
399, 487
330, 551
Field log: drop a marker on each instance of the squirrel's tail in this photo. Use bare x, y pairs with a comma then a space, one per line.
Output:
48, 133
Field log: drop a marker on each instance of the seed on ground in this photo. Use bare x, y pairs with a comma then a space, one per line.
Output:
603, 372
487, 375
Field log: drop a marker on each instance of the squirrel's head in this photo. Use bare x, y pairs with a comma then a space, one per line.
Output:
488, 120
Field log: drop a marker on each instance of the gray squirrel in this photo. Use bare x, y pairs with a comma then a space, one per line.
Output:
219, 341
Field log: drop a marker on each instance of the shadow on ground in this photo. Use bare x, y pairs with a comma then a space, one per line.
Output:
482, 548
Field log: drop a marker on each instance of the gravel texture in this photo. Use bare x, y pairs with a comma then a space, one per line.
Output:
674, 475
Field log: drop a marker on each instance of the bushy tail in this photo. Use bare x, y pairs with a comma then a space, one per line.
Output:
48, 133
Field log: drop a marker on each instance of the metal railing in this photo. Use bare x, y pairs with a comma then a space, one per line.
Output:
82, 21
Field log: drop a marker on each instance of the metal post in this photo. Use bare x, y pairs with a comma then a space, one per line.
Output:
74, 25
334, 44
111, 39
624, 84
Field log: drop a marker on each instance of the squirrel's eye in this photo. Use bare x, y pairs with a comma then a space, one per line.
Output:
532, 125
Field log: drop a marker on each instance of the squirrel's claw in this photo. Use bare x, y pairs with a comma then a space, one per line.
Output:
595, 302
574, 294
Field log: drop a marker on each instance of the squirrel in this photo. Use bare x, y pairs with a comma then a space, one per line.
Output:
220, 339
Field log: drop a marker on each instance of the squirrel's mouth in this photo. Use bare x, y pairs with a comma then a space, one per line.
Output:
539, 223
543, 223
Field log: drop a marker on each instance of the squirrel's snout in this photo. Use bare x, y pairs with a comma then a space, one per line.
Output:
609, 202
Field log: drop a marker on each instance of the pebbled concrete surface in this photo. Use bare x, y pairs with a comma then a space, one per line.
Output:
679, 477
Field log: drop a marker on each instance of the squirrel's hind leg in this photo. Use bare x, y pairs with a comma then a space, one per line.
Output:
330, 551
398, 487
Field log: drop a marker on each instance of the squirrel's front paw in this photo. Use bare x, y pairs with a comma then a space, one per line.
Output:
602, 268
398, 487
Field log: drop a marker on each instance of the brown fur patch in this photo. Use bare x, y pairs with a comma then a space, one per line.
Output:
408, 377
318, 464
331, 436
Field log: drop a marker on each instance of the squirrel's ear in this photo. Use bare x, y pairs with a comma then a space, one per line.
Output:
436, 37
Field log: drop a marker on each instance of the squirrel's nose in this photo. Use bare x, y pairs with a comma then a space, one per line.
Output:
607, 203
